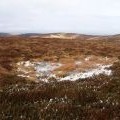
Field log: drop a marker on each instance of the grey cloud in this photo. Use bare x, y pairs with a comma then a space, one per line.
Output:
81, 16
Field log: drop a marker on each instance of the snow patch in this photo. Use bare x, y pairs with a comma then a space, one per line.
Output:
46, 67
44, 71
90, 73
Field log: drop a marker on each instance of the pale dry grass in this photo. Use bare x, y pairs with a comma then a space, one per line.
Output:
85, 63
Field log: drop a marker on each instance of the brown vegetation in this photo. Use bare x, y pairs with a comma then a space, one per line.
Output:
96, 98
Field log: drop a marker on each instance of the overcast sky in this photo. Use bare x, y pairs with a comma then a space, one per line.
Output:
77, 16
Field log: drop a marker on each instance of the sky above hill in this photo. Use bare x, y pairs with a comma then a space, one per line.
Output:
76, 16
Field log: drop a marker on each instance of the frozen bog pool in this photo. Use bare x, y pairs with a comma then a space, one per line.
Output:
45, 71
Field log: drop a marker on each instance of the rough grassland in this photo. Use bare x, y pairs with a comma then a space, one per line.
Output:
96, 98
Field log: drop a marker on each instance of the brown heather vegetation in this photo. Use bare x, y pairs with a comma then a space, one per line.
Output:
96, 98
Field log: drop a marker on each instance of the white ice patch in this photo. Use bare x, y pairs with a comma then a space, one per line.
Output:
90, 73
46, 66
44, 69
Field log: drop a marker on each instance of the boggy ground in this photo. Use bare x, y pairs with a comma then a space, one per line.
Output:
96, 98
65, 69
